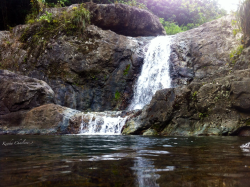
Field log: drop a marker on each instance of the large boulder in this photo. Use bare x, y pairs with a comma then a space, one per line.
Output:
119, 18
46, 119
125, 20
19, 92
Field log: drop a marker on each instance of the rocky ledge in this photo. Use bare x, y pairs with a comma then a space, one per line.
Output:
120, 18
210, 72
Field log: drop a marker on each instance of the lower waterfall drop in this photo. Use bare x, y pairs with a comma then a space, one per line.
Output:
102, 123
155, 73
154, 76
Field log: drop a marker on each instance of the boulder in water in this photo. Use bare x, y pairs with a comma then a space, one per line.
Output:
46, 119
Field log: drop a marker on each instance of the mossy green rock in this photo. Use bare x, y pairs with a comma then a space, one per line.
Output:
150, 132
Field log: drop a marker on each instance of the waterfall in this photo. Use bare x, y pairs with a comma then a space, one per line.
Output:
102, 123
155, 73
154, 76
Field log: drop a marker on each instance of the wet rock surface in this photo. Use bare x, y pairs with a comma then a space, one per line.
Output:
94, 72
217, 108
46, 119
212, 90
97, 70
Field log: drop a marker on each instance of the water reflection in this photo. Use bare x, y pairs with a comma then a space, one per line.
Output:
126, 161
145, 172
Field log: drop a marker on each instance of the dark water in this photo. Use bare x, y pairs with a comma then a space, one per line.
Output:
123, 161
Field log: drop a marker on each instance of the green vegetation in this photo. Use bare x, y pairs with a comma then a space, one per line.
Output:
125, 72
202, 115
172, 28
236, 53
185, 14
47, 17
117, 96
194, 96
66, 22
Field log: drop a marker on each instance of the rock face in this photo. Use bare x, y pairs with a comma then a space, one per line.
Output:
203, 53
125, 20
46, 119
120, 18
22, 93
26, 107
212, 93
217, 108
92, 72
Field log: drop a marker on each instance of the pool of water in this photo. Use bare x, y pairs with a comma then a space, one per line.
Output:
124, 161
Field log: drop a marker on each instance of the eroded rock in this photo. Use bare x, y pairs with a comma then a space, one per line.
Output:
46, 119
19, 92
217, 108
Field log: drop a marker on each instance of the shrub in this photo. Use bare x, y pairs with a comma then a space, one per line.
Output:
80, 17
172, 28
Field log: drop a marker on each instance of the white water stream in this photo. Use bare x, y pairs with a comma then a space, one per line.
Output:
155, 75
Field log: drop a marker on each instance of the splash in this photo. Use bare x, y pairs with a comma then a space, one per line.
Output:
102, 123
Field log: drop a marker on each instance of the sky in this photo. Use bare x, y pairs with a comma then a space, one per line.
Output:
229, 5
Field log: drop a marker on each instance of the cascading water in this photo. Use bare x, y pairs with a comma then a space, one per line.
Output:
155, 73
154, 76
102, 123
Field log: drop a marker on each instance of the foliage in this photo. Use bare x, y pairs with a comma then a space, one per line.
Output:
47, 17
125, 72
172, 28
47, 26
183, 12
202, 115
186, 14
117, 95
80, 17
243, 15
235, 53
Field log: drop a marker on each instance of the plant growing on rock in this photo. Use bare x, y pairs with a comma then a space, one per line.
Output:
125, 72
47, 17
235, 53
117, 95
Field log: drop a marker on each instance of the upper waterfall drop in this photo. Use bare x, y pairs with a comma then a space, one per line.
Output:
155, 73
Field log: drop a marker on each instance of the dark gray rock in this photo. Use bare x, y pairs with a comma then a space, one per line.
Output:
19, 92
119, 18
202, 54
125, 20
92, 72
217, 108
